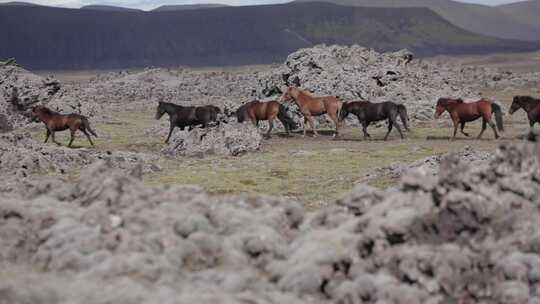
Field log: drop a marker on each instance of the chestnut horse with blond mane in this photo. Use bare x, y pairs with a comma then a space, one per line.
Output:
311, 106
462, 112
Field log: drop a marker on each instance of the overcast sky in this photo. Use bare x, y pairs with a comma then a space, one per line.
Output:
150, 4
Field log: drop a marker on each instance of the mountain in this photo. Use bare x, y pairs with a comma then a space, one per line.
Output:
59, 38
168, 8
482, 19
526, 12
109, 8
17, 3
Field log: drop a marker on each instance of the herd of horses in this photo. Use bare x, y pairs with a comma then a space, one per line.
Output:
309, 107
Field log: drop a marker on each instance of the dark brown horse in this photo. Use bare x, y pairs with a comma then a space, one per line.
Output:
256, 111
529, 105
462, 112
311, 106
55, 122
368, 112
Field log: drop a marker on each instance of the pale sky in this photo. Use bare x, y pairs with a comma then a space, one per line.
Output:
150, 4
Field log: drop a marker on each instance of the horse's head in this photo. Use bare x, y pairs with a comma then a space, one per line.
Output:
290, 94
38, 112
240, 114
517, 103
160, 110
442, 106
344, 112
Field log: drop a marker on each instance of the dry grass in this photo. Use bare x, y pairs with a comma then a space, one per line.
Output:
314, 171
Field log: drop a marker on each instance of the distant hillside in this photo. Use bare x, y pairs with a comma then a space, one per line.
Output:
476, 18
17, 3
526, 12
58, 38
183, 7
109, 8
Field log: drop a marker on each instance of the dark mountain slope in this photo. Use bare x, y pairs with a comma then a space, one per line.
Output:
476, 18
56, 38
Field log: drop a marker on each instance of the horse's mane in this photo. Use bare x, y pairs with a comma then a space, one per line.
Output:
304, 92
46, 110
446, 101
528, 99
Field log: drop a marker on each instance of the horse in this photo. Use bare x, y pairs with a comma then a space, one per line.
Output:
529, 105
310, 106
256, 111
55, 122
368, 112
180, 116
461, 113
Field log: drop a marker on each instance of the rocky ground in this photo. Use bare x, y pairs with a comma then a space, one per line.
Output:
84, 225
465, 235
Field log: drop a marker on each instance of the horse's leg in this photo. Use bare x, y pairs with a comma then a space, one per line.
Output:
270, 127
47, 134
311, 121
170, 133
88, 136
394, 121
456, 124
335, 119
54, 139
494, 128
462, 129
72, 133
365, 124
390, 123
484, 127
305, 123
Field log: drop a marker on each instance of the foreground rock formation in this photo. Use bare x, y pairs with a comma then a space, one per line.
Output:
469, 235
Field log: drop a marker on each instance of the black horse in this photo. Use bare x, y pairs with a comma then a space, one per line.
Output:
529, 105
368, 112
182, 117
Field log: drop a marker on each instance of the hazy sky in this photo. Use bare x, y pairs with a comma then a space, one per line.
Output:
149, 4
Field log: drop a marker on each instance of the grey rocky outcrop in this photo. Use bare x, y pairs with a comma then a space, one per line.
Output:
21, 89
356, 73
226, 139
23, 159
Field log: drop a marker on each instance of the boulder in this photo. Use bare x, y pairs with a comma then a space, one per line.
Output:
226, 139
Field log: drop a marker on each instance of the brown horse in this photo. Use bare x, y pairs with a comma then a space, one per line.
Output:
529, 105
314, 106
461, 113
59, 122
256, 111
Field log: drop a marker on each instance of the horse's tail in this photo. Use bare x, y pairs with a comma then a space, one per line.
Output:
86, 125
495, 108
403, 115
285, 119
